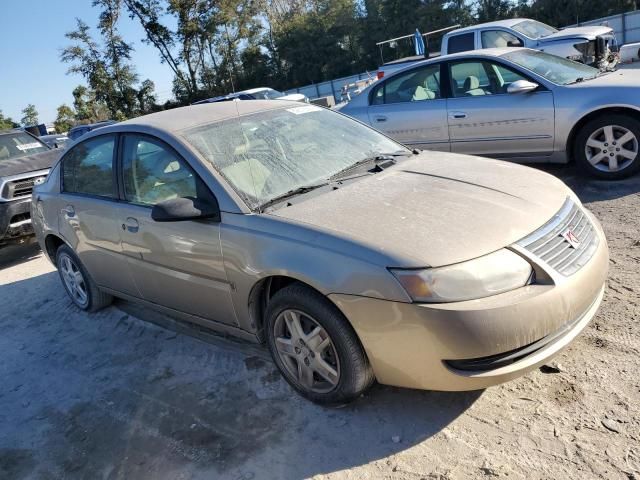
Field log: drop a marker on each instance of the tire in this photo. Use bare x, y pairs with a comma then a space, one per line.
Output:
605, 132
93, 299
343, 353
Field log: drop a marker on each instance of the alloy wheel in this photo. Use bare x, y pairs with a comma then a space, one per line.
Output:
73, 280
307, 351
611, 148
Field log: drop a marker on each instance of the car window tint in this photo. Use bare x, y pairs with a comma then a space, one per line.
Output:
153, 173
417, 85
88, 167
499, 39
461, 43
470, 79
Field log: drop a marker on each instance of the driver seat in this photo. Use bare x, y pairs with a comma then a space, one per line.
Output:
472, 86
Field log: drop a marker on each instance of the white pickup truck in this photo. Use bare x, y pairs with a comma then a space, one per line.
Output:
592, 45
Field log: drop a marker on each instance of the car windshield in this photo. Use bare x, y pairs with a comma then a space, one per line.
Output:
555, 69
19, 144
267, 154
533, 29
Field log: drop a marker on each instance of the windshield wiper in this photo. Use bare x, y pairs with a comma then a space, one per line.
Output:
375, 160
291, 193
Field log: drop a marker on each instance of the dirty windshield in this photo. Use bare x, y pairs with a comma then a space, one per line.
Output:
267, 154
19, 144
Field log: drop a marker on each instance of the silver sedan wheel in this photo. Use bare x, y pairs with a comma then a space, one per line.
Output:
611, 148
73, 280
307, 351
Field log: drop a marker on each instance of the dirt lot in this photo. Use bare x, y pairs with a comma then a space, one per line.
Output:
112, 395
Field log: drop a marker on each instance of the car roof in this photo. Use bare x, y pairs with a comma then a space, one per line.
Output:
182, 118
481, 52
498, 23
256, 90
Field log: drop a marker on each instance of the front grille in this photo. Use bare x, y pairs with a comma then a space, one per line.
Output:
549, 242
21, 188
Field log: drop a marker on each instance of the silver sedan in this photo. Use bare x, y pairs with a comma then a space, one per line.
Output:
515, 104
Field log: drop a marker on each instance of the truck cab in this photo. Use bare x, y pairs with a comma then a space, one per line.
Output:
592, 45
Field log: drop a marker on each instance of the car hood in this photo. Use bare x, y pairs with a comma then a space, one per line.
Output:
436, 208
588, 33
29, 163
623, 77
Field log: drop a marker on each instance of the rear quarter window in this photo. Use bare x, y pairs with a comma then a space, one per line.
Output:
461, 43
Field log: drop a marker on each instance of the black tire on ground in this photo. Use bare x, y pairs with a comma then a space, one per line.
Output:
95, 298
355, 373
620, 120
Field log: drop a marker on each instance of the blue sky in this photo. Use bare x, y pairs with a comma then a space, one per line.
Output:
31, 37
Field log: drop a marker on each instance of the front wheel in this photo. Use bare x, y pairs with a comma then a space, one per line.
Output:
315, 348
608, 147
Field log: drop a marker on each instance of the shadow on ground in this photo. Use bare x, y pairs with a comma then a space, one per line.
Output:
109, 395
15, 254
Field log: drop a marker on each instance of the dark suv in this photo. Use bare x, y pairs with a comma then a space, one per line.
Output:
79, 130
24, 162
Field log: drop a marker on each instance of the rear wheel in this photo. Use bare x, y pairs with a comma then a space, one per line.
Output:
608, 147
82, 290
315, 348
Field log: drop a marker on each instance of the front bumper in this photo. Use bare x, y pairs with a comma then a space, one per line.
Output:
417, 345
15, 219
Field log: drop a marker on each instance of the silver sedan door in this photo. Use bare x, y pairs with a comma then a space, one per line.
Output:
409, 107
484, 119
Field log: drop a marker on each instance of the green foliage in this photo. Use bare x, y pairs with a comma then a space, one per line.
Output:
29, 116
6, 122
65, 118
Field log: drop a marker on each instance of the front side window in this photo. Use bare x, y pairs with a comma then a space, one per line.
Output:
266, 154
461, 43
153, 173
499, 39
479, 78
19, 144
417, 85
555, 69
88, 168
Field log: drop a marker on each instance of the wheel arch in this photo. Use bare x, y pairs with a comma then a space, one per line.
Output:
624, 110
264, 290
51, 243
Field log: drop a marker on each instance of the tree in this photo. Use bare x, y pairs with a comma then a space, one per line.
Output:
106, 67
6, 122
65, 118
29, 116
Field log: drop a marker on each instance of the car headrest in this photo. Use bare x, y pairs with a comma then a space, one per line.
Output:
471, 83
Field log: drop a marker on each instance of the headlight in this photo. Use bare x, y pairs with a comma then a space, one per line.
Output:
495, 273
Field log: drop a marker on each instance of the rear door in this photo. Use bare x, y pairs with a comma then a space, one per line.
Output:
486, 120
175, 264
410, 108
88, 218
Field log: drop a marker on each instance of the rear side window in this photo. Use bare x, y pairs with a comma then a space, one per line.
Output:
88, 168
416, 85
461, 43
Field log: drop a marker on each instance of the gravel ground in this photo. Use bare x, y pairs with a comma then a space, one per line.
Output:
129, 393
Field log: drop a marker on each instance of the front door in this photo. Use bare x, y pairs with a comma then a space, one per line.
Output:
486, 120
175, 264
409, 108
88, 218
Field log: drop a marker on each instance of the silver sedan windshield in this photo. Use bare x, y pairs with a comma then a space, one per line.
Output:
555, 69
266, 154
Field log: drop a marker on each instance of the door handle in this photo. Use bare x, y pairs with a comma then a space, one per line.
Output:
380, 118
456, 115
131, 225
69, 211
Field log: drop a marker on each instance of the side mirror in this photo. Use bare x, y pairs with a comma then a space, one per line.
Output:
514, 43
185, 208
522, 86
